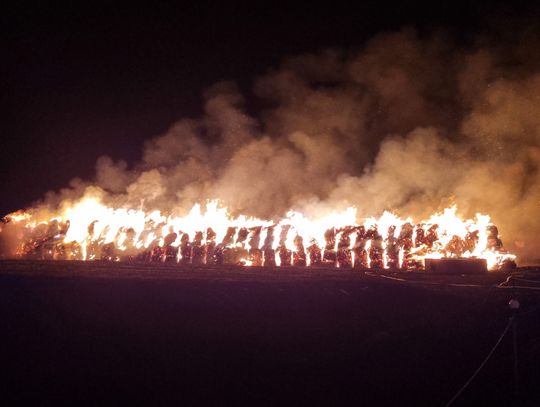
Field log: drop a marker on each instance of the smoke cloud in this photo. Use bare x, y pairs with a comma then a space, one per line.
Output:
406, 124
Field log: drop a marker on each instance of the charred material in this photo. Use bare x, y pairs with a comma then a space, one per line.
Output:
420, 236
170, 252
108, 252
494, 243
255, 256
392, 249
344, 256
471, 240
329, 256
359, 249
285, 255
185, 249
432, 236
197, 249
156, 254
226, 248
405, 242
455, 247
269, 254
299, 254
376, 251
493, 240
210, 246
129, 249
239, 252
314, 253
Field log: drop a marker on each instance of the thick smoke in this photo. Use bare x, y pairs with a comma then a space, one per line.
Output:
403, 124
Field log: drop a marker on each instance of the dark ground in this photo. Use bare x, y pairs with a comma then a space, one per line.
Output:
99, 333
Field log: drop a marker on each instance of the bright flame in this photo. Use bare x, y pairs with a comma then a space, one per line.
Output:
87, 229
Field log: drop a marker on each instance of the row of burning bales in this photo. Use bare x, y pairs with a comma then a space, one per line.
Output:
361, 247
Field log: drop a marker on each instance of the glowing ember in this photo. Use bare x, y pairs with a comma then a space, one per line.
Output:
90, 230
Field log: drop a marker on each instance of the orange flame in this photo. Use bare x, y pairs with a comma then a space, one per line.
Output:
88, 224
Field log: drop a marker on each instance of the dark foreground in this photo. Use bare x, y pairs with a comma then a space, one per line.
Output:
109, 333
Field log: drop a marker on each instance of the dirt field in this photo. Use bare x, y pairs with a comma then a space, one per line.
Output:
94, 333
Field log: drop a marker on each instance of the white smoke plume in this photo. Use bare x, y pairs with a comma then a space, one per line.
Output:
406, 124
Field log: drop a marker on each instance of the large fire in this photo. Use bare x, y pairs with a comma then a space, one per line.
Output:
90, 230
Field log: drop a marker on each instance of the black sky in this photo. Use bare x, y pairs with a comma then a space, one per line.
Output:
78, 83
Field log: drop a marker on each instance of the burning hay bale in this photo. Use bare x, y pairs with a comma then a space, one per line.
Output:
197, 250
299, 254
387, 243
359, 249
255, 256
344, 256
392, 249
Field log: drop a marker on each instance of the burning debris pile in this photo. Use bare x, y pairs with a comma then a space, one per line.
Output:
405, 123
90, 230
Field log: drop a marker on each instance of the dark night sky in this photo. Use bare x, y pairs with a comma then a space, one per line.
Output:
79, 83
